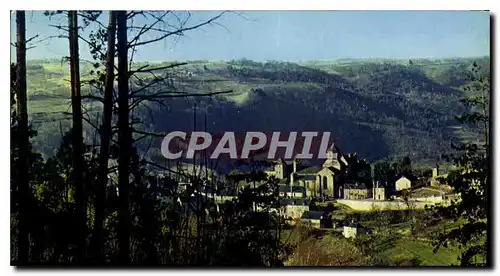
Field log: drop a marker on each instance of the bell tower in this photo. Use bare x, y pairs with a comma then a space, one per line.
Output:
332, 158
331, 153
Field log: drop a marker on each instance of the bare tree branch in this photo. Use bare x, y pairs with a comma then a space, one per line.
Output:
181, 173
31, 38
93, 19
154, 134
137, 102
144, 29
135, 13
180, 31
143, 69
92, 97
146, 86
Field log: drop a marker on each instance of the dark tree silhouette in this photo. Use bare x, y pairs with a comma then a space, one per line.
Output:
124, 139
77, 130
23, 140
106, 134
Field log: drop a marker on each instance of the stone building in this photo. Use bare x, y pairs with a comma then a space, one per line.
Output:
354, 190
303, 180
438, 177
283, 169
319, 181
379, 191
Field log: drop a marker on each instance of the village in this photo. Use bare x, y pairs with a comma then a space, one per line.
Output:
308, 193
300, 185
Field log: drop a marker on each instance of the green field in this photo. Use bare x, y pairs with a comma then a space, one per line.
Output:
423, 252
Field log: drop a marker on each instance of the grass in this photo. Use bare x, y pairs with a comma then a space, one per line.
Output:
330, 250
423, 251
398, 252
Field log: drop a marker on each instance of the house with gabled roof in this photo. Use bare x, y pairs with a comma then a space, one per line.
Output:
403, 183
312, 218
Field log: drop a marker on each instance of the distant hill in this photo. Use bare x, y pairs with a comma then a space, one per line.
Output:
379, 109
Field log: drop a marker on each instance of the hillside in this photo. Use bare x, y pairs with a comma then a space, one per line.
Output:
377, 108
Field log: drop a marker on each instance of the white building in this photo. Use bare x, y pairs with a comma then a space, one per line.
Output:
352, 231
403, 183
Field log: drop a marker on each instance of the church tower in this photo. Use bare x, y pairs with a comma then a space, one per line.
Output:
332, 158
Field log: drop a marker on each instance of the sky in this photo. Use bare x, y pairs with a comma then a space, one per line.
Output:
300, 36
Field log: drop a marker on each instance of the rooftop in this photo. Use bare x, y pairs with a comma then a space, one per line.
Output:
305, 177
309, 170
355, 185
312, 215
293, 189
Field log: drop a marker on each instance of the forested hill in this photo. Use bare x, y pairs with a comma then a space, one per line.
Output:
377, 108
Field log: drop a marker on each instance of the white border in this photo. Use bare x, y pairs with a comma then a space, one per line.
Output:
208, 5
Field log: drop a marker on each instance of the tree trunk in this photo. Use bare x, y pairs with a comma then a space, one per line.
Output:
22, 164
105, 140
77, 139
124, 140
